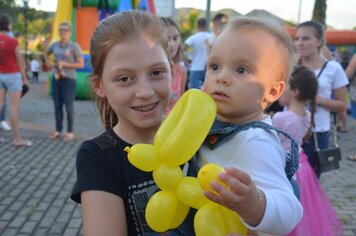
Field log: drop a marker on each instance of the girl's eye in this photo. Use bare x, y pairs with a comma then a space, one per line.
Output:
124, 80
241, 70
158, 73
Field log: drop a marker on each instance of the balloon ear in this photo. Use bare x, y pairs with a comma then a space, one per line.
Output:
97, 86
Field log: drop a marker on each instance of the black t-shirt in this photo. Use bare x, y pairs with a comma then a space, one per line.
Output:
102, 164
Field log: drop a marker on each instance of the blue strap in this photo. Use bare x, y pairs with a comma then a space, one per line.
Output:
292, 160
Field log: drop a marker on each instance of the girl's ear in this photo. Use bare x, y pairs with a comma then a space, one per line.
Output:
275, 91
97, 86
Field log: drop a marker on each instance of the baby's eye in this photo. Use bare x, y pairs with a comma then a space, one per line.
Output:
214, 66
241, 70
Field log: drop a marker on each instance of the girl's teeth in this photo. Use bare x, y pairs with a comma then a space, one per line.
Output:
145, 108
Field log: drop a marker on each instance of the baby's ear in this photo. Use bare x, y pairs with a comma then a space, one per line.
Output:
275, 91
97, 86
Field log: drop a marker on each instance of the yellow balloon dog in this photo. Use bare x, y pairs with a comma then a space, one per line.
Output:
176, 141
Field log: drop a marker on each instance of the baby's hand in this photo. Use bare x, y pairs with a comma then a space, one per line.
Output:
243, 197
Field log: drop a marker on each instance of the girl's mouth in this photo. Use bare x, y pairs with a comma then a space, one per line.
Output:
146, 108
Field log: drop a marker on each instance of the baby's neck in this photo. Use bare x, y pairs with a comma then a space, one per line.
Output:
256, 116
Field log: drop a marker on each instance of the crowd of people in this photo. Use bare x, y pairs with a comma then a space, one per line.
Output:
140, 69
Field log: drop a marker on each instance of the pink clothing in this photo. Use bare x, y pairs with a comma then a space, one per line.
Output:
176, 86
319, 218
295, 125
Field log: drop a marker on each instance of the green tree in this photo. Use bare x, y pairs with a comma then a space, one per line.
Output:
319, 11
188, 25
9, 7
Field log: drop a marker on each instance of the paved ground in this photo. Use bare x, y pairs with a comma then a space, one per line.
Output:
35, 182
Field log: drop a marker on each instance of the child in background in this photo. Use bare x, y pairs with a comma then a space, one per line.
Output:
35, 68
131, 78
246, 71
319, 218
179, 77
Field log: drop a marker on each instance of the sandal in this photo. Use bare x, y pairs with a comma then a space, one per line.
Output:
68, 137
24, 143
341, 129
54, 135
352, 158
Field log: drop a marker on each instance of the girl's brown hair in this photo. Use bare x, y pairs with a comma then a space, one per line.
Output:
116, 29
304, 80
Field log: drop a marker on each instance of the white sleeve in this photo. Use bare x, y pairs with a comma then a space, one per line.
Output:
190, 40
266, 165
339, 78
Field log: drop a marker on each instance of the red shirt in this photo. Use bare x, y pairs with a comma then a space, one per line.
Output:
8, 63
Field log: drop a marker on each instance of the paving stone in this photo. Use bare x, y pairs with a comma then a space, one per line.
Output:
28, 227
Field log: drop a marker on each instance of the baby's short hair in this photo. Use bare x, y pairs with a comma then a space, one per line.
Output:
273, 27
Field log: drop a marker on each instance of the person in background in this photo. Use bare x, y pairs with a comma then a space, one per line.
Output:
131, 78
35, 68
219, 22
341, 117
332, 82
3, 115
12, 77
179, 76
199, 53
243, 80
319, 217
351, 74
3, 111
68, 57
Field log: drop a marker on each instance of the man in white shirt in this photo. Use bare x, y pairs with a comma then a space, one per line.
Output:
199, 54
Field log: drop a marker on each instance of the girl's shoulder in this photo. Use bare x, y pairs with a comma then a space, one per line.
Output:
106, 140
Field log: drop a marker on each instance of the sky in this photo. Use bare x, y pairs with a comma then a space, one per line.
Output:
341, 14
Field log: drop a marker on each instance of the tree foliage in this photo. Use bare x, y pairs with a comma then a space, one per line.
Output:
38, 23
319, 11
188, 25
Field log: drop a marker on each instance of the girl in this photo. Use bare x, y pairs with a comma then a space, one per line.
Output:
131, 78
319, 217
179, 77
332, 82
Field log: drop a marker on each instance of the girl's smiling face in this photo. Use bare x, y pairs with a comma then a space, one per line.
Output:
136, 81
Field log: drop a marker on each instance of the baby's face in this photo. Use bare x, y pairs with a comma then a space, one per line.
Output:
242, 68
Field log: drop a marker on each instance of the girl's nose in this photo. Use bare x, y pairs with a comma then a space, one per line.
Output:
144, 88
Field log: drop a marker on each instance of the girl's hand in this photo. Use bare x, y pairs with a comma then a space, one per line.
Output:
242, 196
